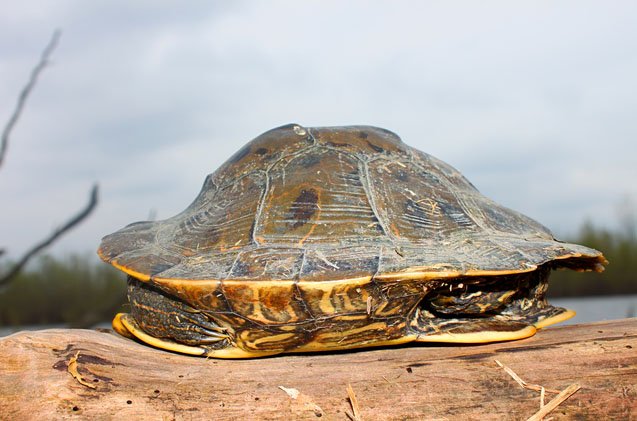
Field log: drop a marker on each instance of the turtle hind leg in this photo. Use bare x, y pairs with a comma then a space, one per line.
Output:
162, 315
125, 325
164, 321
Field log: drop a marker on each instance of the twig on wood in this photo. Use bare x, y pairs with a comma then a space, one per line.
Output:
73, 371
54, 236
24, 94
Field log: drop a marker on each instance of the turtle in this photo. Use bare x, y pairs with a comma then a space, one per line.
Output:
334, 238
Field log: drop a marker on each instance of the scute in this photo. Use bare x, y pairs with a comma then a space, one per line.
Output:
321, 204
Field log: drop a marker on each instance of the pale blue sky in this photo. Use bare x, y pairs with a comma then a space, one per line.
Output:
535, 102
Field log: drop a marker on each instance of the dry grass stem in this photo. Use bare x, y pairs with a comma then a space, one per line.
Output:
544, 409
353, 402
524, 384
555, 402
291, 392
302, 401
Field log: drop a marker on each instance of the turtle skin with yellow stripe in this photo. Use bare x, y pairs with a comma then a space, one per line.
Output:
330, 238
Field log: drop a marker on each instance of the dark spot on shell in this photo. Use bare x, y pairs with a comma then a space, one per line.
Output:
309, 161
240, 154
409, 370
362, 135
129, 402
76, 408
303, 207
261, 151
375, 147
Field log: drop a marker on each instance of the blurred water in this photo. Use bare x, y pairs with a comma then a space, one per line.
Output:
589, 309
593, 309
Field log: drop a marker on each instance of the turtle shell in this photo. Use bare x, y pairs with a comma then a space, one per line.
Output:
336, 203
333, 238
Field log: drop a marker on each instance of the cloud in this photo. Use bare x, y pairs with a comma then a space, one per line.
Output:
533, 102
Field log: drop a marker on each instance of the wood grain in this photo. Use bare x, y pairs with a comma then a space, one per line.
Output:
410, 382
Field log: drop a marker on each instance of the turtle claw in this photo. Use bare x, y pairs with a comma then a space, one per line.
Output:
209, 336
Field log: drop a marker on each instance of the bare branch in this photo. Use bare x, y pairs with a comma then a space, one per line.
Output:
44, 61
54, 236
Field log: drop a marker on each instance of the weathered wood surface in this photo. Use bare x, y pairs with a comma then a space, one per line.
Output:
412, 382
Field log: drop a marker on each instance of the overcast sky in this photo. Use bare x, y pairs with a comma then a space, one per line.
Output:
535, 102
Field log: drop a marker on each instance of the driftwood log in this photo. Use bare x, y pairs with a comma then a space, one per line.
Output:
60, 374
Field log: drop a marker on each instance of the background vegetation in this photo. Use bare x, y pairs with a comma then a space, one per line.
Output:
77, 291
619, 247
81, 292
